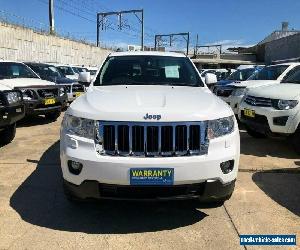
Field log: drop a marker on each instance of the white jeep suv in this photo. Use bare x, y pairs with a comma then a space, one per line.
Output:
274, 109
148, 128
267, 76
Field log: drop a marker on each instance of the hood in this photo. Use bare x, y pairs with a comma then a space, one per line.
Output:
24, 82
254, 83
225, 82
284, 91
59, 80
3, 87
132, 103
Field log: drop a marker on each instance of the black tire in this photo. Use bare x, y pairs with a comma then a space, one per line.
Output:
53, 115
295, 139
8, 134
255, 134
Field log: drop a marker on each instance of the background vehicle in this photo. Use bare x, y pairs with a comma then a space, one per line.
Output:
220, 73
221, 88
274, 109
40, 97
51, 73
148, 114
11, 110
68, 71
267, 76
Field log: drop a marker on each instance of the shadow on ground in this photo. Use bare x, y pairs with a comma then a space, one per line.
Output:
284, 188
30, 121
275, 147
40, 201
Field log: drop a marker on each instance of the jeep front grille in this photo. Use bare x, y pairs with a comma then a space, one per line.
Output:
152, 139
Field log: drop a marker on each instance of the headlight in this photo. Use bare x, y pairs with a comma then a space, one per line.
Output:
62, 91
13, 97
220, 127
28, 94
79, 126
239, 91
284, 104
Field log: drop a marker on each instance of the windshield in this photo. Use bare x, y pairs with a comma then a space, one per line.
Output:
66, 70
46, 70
293, 78
15, 70
148, 70
241, 75
269, 73
79, 70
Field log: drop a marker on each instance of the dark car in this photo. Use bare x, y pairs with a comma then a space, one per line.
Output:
12, 109
51, 73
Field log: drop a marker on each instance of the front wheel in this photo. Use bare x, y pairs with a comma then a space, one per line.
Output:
255, 134
8, 134
295, 140
53, 115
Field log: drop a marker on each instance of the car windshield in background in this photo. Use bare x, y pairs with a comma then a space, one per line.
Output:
15, 70
79, 70
148, 70
241, 75
294, 77
269, 73
46, 71
66, 70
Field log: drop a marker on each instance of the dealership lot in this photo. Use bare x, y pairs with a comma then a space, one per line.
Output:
35, 214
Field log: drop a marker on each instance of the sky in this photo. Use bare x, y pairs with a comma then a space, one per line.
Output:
227, 22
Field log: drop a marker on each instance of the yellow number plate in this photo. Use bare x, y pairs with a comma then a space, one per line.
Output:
249, 113
49, 101
78, 94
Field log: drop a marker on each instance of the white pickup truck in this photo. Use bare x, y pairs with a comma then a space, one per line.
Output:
267, 76
149, 128
274, 109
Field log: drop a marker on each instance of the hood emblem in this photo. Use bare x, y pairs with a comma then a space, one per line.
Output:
152, 117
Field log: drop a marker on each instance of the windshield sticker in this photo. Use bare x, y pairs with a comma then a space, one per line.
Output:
172, 71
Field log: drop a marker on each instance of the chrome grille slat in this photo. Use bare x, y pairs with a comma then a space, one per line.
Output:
161, 139
258, 101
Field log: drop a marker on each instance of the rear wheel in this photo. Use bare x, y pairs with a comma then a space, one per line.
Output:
254, 133
8, 134
53, 115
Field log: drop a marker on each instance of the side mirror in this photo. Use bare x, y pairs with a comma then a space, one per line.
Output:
210, 78
84, 77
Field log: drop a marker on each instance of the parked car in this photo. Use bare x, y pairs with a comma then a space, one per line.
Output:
222, 89
148, 127
11, 110
220, 73
267, 76
40, 97
93, 71
68, 71
51, 73
80, 69
274, 109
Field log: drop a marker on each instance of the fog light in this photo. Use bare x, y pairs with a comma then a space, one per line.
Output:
227, 166
74, 167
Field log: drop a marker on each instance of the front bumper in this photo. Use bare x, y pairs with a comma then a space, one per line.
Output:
205, 191
11, 114
116, 169
265, 119
38, 107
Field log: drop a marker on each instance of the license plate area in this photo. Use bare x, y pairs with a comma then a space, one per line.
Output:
49, 101
249, 113
151, 176
77, 94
